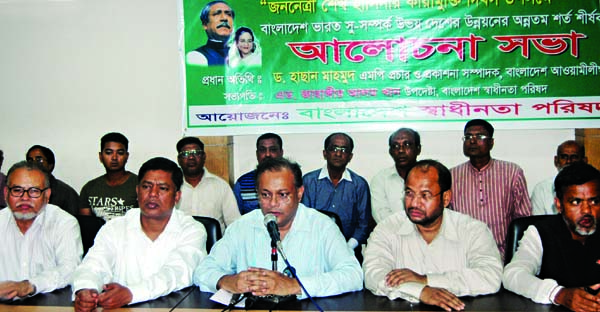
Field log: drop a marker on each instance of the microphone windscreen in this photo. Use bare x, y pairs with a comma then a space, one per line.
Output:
268, 218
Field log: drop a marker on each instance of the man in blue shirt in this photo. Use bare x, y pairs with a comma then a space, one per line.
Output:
339, 190
268, 145
240, 262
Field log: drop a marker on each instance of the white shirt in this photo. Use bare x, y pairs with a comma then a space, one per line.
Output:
122, 253
520, 274
463, 257
46, 255
196, 58
387, 194
212, 197
542, 198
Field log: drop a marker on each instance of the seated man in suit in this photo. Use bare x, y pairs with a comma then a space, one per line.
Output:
557, 260
40, 244
150, 252
437, 256
312, 241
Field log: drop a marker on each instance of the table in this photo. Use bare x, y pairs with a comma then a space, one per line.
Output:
191, 299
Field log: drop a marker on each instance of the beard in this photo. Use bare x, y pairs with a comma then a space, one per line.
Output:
427, 220
23, 216
580, 230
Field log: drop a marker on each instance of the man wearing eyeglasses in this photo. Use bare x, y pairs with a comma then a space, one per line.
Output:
63, 195
491, 190
404, 147
339, 190
203, 193
268, 145
542, 196
439, 255
40, 243
112, 194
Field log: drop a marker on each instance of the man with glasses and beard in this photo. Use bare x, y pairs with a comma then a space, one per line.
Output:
217, 21
439, 255
558, 260
41, 243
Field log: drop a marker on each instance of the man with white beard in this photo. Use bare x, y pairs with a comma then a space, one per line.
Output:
41, 243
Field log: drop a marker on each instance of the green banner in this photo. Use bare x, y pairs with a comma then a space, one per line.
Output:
362, 64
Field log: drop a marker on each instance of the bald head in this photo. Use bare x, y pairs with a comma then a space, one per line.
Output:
569, 152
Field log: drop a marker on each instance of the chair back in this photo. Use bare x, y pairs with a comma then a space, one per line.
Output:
515, 232
89, 227
213, 230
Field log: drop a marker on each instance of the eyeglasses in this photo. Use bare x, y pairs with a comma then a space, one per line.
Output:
186, 154
399, 146
424, 197
477, 137
33, 192
283, 197
37, 159
335, 149
271, 150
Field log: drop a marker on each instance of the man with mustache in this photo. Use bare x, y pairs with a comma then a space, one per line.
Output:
241, 261
439, 255
217, 21
41, 243
558, 260
148, 253
202, 192
112, 194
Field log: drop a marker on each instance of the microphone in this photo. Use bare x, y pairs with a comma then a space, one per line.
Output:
270, 222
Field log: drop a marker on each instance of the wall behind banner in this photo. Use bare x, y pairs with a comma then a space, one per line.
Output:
74, 70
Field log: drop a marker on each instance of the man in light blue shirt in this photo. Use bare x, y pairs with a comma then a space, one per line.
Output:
314, 245
339, 190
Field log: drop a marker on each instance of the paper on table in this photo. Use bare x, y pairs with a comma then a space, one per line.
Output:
224, 297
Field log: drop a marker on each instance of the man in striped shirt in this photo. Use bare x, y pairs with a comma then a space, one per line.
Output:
491, 190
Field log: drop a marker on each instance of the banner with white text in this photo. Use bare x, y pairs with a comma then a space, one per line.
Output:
367, 65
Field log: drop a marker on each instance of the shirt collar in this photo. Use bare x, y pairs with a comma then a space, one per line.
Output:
446, 231
486, 167
325, 174
136, 214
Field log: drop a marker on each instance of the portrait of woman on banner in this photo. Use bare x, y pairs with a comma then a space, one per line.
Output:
244, 50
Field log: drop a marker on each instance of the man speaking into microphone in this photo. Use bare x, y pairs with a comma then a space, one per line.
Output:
313, 244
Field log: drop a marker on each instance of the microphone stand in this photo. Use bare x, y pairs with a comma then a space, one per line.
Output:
293, 271
274, 255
